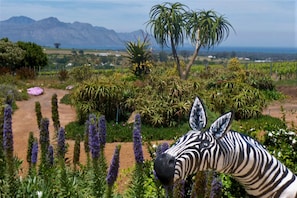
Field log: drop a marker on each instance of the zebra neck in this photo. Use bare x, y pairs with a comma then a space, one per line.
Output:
247, 161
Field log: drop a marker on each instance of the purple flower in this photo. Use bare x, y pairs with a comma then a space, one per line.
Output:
61, 142
50, 155
7, 129
216, 188
114, 167
94, 142
137, 140
102, 131
162, 148
137, 122
44, 133
34, 152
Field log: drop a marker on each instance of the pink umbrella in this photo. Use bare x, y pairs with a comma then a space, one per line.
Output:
35, 91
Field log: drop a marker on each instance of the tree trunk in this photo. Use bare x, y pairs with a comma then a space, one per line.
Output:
175, 56
187, 70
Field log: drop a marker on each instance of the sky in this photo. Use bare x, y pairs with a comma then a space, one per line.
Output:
258, 23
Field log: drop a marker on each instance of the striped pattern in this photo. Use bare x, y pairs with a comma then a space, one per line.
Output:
244, 158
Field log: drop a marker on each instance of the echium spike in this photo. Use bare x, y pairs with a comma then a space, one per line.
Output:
44, 133
7, 129
94, 137
102, 131
86, 137
61, 143
114, 167
34, 152
137, 122
50, 155
216, 187
137, 140
162, 148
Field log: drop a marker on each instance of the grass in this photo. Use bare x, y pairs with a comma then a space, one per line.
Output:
122, 132
287, 82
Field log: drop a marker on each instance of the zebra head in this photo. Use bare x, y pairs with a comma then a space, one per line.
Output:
195, 150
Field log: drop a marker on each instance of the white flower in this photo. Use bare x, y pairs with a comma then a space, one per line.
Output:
270, 134
294, 141
39, 194
291, 133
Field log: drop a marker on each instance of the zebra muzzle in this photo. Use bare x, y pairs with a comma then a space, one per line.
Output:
164, 167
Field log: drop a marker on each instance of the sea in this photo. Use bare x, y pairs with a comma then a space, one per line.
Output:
273, 50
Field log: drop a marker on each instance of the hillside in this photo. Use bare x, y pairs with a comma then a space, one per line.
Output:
50, 30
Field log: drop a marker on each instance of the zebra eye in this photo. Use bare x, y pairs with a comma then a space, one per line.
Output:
205, 143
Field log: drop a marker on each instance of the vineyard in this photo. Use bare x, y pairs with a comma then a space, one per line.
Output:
277, 70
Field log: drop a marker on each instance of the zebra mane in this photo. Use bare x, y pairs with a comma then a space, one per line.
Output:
197, 120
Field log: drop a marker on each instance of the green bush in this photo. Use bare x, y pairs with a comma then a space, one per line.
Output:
18, 94
66, 99
73, 129
121, 132
102, 95
25, 73
283, 145
81, 73
63, 75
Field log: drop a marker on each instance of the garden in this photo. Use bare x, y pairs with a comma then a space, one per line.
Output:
113, 97
96, 130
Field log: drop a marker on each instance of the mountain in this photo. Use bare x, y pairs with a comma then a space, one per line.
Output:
50, 30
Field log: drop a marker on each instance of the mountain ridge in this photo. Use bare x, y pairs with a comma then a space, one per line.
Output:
47, 31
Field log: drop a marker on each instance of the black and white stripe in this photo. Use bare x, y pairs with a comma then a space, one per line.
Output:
225, 151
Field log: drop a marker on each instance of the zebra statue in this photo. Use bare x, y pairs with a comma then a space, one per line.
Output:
223, 150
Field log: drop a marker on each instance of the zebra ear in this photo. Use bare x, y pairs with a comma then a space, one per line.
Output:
197, 118
221, 125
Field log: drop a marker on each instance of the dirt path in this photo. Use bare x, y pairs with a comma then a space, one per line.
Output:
286, 107
24, 121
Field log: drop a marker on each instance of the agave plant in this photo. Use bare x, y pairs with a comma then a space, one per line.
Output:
139, 56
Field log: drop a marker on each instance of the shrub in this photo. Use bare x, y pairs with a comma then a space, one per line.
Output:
17, 94
283, 145
55, 112
101, 96
246, 101
63, 75
4, 70
25, 73
81, 73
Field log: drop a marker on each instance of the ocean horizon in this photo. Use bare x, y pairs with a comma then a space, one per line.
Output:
276, 50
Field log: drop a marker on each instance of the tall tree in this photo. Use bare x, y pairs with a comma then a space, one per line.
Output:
173, 23
167, 23
11, 55
34, 55
205, 29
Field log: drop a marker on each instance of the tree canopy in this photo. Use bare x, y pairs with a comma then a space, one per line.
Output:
172, 23
21, 54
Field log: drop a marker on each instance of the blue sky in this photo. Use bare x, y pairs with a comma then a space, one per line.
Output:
258, 23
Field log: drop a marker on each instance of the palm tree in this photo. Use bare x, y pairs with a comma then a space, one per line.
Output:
205, 29
171, 22
167, 24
